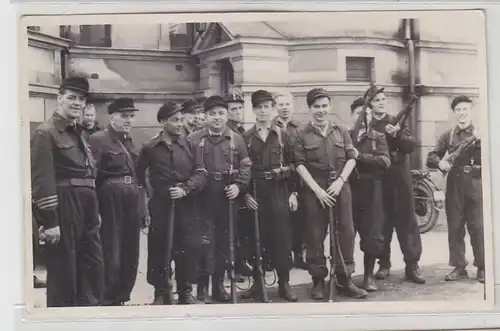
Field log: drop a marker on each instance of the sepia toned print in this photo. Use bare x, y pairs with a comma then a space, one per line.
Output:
259, 161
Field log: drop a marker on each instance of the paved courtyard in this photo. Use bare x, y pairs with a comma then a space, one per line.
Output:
433, 265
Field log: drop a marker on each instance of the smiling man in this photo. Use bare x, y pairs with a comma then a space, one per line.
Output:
324, 157
120, 201
63, 176
464, 200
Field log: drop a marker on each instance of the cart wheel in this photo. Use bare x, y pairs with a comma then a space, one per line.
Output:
426, 209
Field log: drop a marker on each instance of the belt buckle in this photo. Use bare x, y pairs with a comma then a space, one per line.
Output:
467, 169
128, 179
268, 175
217, 176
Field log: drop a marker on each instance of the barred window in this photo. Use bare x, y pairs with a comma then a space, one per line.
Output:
359, 69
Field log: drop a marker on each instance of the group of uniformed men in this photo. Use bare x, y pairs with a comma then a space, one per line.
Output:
91, 196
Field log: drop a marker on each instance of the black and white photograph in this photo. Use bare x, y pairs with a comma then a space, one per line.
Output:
265, 158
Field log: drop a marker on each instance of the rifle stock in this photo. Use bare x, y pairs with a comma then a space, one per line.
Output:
452, 155
232, 271
258, 255
332, 291
402, 116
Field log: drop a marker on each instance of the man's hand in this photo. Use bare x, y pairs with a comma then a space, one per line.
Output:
335, 187
177, 193
251, 202
392, 130
293, 202
232, 191
52, 235
444, 165
324, 198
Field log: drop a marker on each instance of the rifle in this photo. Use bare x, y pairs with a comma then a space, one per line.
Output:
452, 155
258, 256
402, 116
170, 240
232, 270
332, 292
363, 116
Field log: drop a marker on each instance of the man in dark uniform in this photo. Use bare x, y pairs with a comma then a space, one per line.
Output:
63, 191
324, 157
226, 159
464, 200
284, 105
89, 123
121, 205
271, 153
366, 183
176, 173
235, 104
190, 110
398, 194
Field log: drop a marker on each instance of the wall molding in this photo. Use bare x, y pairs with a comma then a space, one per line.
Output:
128, 54
46, 41
43, 90
447, 47
160, 96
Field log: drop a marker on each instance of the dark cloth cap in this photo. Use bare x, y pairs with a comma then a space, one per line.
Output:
190, 107
75, 83
214, 101
234, 96
168, 109
357, 103
121, 105
260, 96
314, 94
460, 99
372, 91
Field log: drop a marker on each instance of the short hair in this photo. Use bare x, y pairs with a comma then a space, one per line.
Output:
283, 94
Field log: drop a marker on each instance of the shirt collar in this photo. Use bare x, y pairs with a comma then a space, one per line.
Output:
60, 122
118, 135
469, 128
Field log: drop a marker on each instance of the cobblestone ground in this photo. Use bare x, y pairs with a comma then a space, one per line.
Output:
433, 265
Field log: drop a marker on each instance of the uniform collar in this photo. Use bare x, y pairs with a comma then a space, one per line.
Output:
118, 135
62, 123
233, 125
378, 118
468, 129
310, 127
226, 133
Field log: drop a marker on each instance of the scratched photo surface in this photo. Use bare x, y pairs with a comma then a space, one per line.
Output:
251, 161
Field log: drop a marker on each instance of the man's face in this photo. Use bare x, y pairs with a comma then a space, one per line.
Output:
378, 103
217, 118
320, 108
357, 112
173, 125
71, 103
463, 112
284, 105
235, 111
264, 111
201, 120
122, 121
190, 118
89, 115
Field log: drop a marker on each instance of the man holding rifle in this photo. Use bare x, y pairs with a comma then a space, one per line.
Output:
398, 193
177, 175
325, 157
226, 158
366, 183
458, 153
271, 153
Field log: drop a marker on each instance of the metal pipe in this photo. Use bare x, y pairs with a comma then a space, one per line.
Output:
410, 45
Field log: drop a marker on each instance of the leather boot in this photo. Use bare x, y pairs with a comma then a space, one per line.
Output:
480, 275
369, 280
185, 295
299, 260
346, 287
412, 273
163, 298
219, 292
383, 272
285, 292
456, 274
202, 289
317, 292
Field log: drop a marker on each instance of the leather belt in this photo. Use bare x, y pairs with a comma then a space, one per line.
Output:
283, 172
85, 182
121, 180
222, 174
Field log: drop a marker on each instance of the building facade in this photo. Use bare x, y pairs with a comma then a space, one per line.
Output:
158, 62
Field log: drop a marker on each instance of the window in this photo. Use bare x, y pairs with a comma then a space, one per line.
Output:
95, 35
226, 76
34, 28
181, 36
359, 69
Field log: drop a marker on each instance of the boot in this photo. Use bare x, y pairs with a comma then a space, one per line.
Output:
285, 292
480, 275
369, 280
383, 272
219, 293
299, 260
457, 274
412, 273
346, 287
185, 295
317, 292
163, 298
252, 292
202, 289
